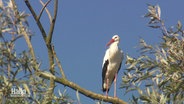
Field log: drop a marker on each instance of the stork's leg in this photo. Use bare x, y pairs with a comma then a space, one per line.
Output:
115, 79
107, 87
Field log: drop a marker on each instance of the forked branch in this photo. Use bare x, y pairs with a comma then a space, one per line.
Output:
44, 35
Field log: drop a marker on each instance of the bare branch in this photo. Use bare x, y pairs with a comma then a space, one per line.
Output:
81, 90
44, 7
49, 38
58, 63
36, 19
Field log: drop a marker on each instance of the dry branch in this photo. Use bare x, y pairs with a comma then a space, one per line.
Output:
44, 35
58, 63
81, 90
44, 7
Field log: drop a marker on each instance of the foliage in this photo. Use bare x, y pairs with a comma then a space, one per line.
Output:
17, 69
158, 73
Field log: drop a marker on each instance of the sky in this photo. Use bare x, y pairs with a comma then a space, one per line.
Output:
83, 28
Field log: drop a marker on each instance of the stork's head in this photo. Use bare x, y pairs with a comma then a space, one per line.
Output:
114, 39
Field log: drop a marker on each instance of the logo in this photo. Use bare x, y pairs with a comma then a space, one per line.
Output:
18, 92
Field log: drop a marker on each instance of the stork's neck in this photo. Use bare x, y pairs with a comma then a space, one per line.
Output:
113, 47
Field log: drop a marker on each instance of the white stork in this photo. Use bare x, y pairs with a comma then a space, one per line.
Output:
111, 64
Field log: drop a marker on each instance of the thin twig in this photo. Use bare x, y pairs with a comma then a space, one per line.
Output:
58, 63
36, 19
49, 38
44, 7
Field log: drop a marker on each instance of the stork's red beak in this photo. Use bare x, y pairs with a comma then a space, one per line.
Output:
111, 41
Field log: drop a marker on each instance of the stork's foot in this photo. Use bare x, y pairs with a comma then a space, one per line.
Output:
107, 88
106, 96
106, 93
115, 97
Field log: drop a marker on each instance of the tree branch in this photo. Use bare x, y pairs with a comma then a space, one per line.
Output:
48, 13
81, 90
49, 38
44, 35
44, 7
58, 63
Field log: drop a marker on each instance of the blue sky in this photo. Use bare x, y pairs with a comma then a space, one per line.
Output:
84, 27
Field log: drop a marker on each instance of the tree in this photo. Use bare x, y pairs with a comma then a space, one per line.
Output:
158, 73
158, 69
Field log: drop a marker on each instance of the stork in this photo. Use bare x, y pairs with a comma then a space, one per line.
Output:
111, 64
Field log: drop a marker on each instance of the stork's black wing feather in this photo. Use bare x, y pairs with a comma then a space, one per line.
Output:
104, 70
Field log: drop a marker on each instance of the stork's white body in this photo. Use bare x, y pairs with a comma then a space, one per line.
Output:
111, 63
